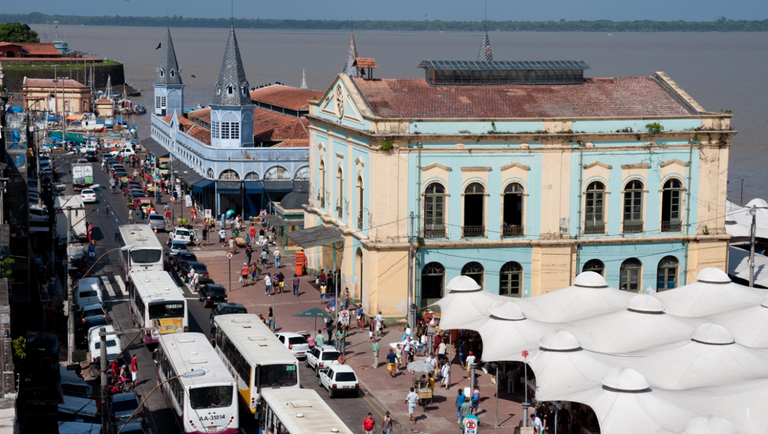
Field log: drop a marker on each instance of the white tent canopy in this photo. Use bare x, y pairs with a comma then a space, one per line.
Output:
691, 359
738, 220
738, 265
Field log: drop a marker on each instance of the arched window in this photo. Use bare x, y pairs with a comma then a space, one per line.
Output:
666, 275
594, 208
671, 220
631, 275
511, 280
277, 173
230, 89
340, 192
162, 73
252, 176
321, 193
302, 174
230, 175
474, 270
474, 211
432, 282
173, 73
513, 211
434, 211
359, 202
633, 207
595, 265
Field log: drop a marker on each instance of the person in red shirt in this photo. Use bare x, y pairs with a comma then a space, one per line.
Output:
244, 274
253, 232
369, 424
134, 371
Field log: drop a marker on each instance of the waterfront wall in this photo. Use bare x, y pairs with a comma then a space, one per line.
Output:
16, 70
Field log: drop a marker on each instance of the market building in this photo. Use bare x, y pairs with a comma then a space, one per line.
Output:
249, 148
520, 175
59, 96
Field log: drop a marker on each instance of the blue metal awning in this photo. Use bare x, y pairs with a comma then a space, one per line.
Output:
253, 187
199, 186
228, 187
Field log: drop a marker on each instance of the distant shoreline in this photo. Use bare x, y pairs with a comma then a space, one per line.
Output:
606, 26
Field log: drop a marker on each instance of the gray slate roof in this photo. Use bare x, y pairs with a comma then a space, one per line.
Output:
232, 73
348, 68
485, 47
168, 62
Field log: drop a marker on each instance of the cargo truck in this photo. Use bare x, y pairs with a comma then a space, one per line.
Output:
82, 175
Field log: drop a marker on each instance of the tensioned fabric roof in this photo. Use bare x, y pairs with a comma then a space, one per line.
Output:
502, 65
689, 360
316, 236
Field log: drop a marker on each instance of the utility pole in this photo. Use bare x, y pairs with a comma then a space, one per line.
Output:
411, 307
106, 419
753, 229
70, 295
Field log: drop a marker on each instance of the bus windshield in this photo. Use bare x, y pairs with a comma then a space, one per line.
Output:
210, 397
149, 256
169, 309
277, 375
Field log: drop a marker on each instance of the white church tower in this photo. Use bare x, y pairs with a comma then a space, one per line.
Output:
232, 111
169, 91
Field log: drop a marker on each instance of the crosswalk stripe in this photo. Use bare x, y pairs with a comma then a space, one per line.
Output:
108, 285
121, 285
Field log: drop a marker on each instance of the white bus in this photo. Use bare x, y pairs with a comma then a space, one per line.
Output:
254, 356
204, 403
147, 251
283, 411
157, 302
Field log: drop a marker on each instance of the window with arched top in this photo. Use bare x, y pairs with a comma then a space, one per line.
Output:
230, 175
277, 173
594, 265
359, 202
666, 274
432, 282
162, 73
513, 211
474, 211
230, 89
251, 176
630, 277
474, 270
321, 193
633, 207
434, 211
511, 280
340, 201
671, 200
302, 174
218, 89
173, 73
594, 208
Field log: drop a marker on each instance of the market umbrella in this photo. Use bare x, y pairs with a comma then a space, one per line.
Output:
315, 313
230, 213
420, 366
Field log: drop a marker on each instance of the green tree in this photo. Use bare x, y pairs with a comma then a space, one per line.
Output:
17, 32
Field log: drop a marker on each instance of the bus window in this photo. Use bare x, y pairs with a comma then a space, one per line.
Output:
145, 256
210, 397
166, 310
277, 375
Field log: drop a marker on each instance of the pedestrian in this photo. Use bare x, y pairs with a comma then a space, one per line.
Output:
375, 348
264, 258
391, 359
252, 231
194, 214
254, 272
360, 316
370, 330
379, 321
223, 221
106, 209
323, 289
195, 280
134, 370
222, 236
465, 409
475, 399
295, 285
92, 249
441, 357
386, 424
470, 361
369, 424
267, 284
329, 330
445, 371
340, 338
130, 215
271, 319
536, 424
459, 402
399, 354
412, 399
462, 354
244, 274
406, 350
232, 244
248, 253
276, 254
320, 338
205, 237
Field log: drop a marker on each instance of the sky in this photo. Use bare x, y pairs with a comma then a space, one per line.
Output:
447, 10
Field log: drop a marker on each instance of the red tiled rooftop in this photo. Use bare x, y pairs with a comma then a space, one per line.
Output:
33, 49
192, 129
365, 62
285, 96
292, 144
597, 97
48, 82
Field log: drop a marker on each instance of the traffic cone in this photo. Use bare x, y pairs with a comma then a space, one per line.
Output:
155, 230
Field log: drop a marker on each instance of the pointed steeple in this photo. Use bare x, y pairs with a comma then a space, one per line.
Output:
485, 47
303, 79
108, 90
169, 71
348, 68
232, 86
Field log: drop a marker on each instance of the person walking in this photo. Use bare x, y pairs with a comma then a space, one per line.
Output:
386, 424
276, 254
329, 330
391, 360
407, 350
445, 371
205, 238
412, 399
465, 409
248, 253
399, 355
340, 338
379, 321
360, 316
475, 399
296, 285
375, 348
252, 232
320, 338
134, 370
271, 319
244, 274
267, 284
232, 244
323, 289
264, 258
92, 248
369, 424
470, 362
459, 402
222, 236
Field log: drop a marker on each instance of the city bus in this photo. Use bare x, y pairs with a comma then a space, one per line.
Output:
254, 356
202, 394
297, 412
156, 302
146, 253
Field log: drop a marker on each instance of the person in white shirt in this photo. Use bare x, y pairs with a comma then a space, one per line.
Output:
379, 320
441, 352
446, 372
412, 400
470, 361
536, 424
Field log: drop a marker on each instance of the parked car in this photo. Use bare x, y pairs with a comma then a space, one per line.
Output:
339, 378
114, 347
156, 221
321, 356
88, 195
125, 152
72, 384
124, 405
175, 248
180, 234
295, 342
201, 269
226, 309
92, 315
89, 292
82, 160
182, 256
211, 294
91, 157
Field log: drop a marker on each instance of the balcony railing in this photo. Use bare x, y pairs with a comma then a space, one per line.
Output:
472, 231
434, 233
671, 226
633, 227
592, 229
512, 231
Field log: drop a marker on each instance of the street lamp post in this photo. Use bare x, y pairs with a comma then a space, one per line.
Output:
191, 374
752, 230
526, 404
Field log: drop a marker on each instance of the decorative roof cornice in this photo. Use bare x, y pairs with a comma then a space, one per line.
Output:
232, 74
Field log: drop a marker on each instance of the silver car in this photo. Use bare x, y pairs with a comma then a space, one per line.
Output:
156, 221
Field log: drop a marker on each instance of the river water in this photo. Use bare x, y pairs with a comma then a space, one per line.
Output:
719, 70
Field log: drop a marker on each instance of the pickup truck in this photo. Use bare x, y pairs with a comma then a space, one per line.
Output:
82, 175
125, 152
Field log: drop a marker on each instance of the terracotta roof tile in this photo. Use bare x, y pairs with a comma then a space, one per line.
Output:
597, 97
48, 82
32, 49
285, 96
365, 62
292, 144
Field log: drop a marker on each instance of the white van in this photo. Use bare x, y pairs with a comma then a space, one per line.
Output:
88, 292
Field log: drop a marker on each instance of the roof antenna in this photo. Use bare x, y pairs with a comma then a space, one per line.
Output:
168, 16
232, 19
351, 22
485, 18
